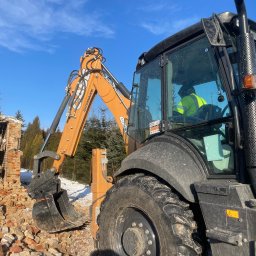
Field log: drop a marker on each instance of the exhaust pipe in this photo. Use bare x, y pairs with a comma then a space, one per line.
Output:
247, 67
242, 15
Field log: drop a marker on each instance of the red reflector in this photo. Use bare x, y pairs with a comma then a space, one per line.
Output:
250, 81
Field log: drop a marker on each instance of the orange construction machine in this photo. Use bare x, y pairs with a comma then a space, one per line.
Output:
52, 211
190, 186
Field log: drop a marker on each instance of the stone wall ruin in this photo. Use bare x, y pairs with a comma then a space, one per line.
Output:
10, 154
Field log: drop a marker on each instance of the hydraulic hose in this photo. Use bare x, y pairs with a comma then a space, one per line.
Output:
56, 120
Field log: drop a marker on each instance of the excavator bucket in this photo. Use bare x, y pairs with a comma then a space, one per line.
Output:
52, 211
55, 213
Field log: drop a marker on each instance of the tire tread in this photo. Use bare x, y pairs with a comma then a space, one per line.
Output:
176, 210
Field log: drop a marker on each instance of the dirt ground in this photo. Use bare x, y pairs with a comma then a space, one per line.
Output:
20, 237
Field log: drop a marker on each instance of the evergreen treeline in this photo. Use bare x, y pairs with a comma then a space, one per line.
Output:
97, 133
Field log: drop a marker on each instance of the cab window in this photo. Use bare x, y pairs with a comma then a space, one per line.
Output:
146, 106
198, 107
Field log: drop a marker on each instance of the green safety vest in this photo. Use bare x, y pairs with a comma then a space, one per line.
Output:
189, 105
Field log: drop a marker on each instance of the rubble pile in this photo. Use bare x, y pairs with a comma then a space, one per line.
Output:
18, 234
20, 237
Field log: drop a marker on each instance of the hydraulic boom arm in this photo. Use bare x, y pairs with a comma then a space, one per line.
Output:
53, 212
93, 78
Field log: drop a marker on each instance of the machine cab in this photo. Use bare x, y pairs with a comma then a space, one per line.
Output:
185, 86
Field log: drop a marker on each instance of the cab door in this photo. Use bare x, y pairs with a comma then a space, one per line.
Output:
194, 66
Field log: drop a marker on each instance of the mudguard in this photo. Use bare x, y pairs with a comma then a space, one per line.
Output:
171, 158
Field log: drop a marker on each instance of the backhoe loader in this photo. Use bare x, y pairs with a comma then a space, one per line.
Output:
52, 211
188, 184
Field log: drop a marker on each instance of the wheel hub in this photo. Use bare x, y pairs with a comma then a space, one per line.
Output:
134, 241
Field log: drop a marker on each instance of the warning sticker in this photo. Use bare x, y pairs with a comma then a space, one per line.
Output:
154, 127
232, 213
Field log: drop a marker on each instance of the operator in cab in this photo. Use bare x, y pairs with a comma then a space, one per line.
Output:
190, 102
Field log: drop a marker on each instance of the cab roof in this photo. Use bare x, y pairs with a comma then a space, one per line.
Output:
183, 36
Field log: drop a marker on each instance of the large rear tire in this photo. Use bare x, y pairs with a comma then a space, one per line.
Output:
142, 216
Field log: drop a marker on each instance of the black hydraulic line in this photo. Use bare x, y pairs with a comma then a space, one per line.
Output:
56, 120
119, 86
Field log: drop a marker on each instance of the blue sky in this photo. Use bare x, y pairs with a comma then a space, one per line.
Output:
41, 42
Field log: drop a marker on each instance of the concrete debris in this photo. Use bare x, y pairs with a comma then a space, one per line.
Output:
20, 237
18, 234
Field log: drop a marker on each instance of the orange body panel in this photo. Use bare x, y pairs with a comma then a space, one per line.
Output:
99, 185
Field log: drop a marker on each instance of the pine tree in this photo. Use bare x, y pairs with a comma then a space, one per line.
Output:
19, 116
52, 145
97, 133
79, 167
115, 148
30, 141
35, 148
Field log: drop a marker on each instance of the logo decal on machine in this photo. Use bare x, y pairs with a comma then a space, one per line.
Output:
122, 120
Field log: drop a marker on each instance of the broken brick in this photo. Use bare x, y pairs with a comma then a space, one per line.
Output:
15, 249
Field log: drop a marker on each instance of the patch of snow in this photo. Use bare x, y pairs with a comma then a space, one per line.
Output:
77, 192
5, 118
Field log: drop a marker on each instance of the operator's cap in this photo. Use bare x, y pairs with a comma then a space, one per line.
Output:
186, 89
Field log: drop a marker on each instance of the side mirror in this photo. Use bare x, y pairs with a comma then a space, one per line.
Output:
213, 31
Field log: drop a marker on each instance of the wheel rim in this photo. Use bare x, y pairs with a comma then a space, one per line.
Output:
136, 234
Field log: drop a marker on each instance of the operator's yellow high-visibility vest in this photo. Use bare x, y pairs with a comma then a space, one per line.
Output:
189, 105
